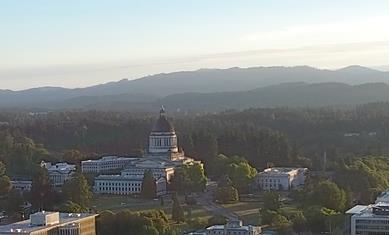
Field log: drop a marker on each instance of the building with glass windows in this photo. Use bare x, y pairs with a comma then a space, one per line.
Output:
280, 178
371, 219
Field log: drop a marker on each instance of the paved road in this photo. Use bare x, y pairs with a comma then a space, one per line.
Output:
206, 201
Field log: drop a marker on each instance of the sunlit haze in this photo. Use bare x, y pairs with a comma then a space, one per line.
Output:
81, 43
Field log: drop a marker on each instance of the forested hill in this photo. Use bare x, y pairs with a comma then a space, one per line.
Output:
205, 81
288, 94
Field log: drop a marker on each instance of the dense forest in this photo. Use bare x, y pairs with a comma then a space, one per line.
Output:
345, 149
279, 136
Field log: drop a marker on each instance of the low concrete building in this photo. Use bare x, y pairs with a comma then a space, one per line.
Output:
106, 164
125, 185
281, 178
53, 223
235, 227
21, 185
370, 219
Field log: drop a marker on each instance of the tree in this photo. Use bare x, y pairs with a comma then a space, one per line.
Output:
41, 188
177, 211
149, 186
73, 207
2, 168
328, 194
281, 223
196, 176
227, 194
299, 222
189, 178
271, 200
5, 183
329, 214
315, 219
241, 174
77, 190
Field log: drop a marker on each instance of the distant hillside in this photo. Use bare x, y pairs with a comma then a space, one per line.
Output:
289, 94
286, 94
204, 81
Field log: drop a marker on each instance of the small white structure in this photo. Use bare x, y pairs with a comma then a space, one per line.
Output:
43, 218
235, 227
370, 219
59, 173
105, 164
281, 178
125, 184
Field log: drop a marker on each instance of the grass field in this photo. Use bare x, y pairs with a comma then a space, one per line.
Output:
117, 203
247, 211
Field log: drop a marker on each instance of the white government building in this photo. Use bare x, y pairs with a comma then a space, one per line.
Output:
281, 178
233, 227
370, 219
162, 157
105, 164
59, 173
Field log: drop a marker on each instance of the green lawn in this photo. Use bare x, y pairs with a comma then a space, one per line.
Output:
247, 211
117, 203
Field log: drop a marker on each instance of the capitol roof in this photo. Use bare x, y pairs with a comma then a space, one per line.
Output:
162, 124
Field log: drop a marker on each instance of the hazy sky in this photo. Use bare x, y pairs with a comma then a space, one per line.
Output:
76, 43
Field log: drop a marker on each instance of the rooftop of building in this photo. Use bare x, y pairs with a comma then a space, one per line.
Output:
379, 209
111, 158
62, 167
232, 225
120, 177
280, 170
25, 226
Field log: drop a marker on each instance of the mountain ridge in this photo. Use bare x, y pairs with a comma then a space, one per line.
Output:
163, 85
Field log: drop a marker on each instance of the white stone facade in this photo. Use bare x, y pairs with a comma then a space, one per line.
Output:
21, 185
59, 173
105, 164
124, 185
233, 228
281, 178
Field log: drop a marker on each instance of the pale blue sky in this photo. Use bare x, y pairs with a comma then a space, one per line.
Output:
83, 42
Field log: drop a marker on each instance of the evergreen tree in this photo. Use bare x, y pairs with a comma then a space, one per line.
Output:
149, 186
41, 189
5, 183
271, 200
177, 211
77, 190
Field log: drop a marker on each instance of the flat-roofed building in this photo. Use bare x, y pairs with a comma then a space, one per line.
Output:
125, 184
234, 227
106, 164
21, 185
53, 223
281, 178
370, 219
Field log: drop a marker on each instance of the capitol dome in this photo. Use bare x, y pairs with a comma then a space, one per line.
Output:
162, 124
163, 139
